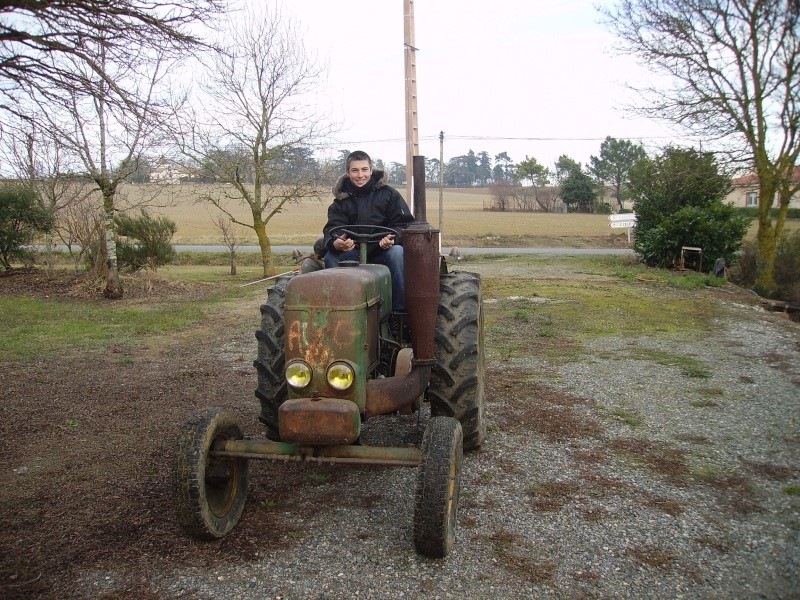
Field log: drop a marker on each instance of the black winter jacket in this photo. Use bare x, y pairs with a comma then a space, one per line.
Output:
376, 203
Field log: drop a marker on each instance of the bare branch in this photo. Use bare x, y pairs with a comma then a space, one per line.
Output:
40, 41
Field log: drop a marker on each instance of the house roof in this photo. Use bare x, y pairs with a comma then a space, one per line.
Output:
752, 179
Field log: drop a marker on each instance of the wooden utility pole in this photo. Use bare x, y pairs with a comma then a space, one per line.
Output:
412, 136
441, 180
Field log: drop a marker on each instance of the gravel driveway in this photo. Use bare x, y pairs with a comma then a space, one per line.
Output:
614, 476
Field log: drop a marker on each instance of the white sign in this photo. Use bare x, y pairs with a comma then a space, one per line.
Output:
617, 224
622, 217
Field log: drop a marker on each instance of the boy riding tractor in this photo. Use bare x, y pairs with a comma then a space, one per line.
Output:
328, 360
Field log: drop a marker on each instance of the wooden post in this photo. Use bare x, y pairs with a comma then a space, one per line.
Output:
441, 182
412, 137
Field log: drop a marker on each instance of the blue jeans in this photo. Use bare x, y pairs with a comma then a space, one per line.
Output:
392, 257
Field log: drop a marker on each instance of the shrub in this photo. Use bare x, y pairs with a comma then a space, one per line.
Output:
678, 200
752, 211
148, 243
787, 268
786, 275
603, 208
715, 228
22, 218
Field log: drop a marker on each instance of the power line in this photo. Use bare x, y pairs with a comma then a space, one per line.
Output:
491, 138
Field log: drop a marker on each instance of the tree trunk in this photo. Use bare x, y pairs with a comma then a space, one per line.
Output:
267, 260
765, 266
113, 289
233, 262
767, 241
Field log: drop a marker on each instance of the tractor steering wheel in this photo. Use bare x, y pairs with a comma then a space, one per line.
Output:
362, 234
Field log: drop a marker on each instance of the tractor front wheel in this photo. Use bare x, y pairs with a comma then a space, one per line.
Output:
209, 491
438, 488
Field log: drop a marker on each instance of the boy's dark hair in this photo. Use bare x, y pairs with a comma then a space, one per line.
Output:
358, 155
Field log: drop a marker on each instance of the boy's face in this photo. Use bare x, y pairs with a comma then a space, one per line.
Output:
359, 172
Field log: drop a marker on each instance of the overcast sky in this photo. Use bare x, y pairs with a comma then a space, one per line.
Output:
487, 72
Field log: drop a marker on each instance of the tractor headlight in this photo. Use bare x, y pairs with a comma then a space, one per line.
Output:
298, 374
340, 375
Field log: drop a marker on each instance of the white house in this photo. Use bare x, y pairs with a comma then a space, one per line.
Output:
168, 171
745, 191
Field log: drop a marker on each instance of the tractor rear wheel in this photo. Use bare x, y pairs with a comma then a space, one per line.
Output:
438, 488
209, 492
456, 388
269, 364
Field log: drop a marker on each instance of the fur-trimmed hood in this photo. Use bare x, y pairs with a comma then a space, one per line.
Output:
344, 188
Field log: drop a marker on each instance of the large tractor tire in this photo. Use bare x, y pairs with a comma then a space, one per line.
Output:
456, 388
209, 492
438, 488
271, 391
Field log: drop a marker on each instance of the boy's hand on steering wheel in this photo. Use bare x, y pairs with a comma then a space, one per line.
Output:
386, 242
343, 243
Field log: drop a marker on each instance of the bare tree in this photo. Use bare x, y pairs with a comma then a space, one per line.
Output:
41, 41
253, 123
80, 228
89, 72
104, 134
229, 238
43, 163
734, 69
502, 192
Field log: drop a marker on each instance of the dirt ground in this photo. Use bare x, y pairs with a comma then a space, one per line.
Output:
86, 446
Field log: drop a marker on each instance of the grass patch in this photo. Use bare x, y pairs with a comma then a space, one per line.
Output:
734, 491
689, 366
513, 554
598, 308
31, 328
703, 403
528, 315
318, 478
684, 280
627, 416
711, 392
518, 327
792, 490
660, 458
551, 496
651, 556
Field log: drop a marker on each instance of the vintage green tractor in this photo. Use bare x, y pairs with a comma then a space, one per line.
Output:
331, 355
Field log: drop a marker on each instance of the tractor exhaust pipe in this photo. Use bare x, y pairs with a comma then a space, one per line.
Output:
421, 269
421, 259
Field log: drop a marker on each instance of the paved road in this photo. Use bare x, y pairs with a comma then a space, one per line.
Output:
445, 250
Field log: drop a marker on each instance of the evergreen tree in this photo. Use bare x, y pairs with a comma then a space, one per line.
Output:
614, 164
679, 201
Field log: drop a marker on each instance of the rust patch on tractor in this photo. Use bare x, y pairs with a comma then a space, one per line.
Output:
317, 340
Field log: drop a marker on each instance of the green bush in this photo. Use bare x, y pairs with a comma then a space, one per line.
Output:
144, 241
22, 218
786, 275
716, 228
603, 208
752, 212
787, 268
678, 200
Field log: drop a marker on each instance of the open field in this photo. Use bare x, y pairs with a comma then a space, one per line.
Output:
464, 221
643, 443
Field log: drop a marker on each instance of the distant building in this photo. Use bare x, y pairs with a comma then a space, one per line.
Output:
169, 171
745, 191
